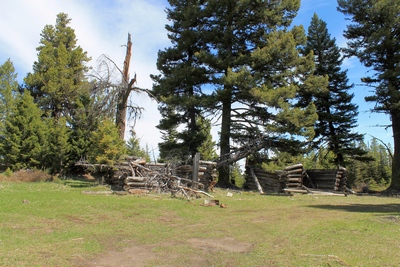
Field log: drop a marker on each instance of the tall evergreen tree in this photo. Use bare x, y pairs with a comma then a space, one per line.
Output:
374, 37
337, 116
25, 137
254, 62
57, 82
8, 89
179, 87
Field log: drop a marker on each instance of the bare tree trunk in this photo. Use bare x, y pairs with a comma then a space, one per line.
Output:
126, 89
224, 173
395, 183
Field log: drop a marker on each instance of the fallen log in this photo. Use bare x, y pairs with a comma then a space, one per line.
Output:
259, 188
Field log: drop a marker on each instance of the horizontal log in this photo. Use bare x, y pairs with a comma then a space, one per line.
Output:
135, 179
295, 171
291, 184
136, 184
295, 190
295, 175
205, 162
296, 166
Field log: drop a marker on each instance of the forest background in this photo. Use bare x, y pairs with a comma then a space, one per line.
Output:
145, 20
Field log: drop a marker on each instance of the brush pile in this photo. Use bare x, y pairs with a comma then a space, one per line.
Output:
135, 176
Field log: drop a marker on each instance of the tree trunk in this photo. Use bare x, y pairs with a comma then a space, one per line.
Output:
126, 89
223, 177
225, 149
395, 183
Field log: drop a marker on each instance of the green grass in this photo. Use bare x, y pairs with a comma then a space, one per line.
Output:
58, 225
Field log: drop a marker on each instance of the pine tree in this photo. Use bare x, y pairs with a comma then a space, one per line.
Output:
133, 147
179, 87
171, 148
57, 157
373, 37
337, 116
8, 89
207, 148
25, 137
254, 62
106, 145
379, 168
58, 81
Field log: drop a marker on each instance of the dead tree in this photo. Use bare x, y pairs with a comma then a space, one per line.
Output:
125, 91
111, 96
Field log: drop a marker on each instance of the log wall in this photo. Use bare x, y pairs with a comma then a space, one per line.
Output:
270, 182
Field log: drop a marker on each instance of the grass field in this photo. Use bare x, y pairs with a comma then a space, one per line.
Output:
54, 224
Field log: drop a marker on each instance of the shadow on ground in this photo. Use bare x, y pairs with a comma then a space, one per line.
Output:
393, 209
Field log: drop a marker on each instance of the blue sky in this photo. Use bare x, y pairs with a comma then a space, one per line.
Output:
101, 27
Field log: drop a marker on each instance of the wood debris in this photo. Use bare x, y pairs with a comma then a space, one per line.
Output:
135, 176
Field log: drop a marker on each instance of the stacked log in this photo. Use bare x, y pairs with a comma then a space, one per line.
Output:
328, 179
207, 174
210, 174
294, 175
263, 181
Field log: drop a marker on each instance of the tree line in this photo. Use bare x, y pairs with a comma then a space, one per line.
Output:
268, 83
241, 64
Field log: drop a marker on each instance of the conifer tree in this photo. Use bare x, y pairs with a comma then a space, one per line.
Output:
8, 89
106, 145
373, 37
379, 168
207, 148
337, 116
25, 137
57, 157
57, 82
254, 64
179, 87
133, 147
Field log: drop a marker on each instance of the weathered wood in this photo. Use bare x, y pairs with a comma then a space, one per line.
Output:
135, 179
296, 166
259, 188
136, 184
204, 162
195, 173
123, 96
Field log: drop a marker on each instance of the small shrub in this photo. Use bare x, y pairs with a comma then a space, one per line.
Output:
8, 172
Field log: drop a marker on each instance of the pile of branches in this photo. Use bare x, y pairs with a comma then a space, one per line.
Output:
136, 177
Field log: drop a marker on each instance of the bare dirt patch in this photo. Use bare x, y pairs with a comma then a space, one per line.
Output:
227, 244
143, 255
131, 256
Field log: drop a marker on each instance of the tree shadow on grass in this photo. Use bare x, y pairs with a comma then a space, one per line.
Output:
393, 209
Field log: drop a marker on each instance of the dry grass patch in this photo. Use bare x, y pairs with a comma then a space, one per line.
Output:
26, 176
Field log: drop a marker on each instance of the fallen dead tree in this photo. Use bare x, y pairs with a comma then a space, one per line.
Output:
134, 176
